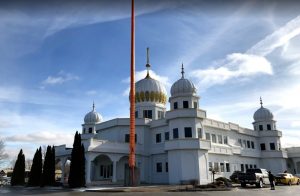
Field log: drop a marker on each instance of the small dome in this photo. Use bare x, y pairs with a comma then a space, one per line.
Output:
263, 114
92, 117
183, 86
150, 90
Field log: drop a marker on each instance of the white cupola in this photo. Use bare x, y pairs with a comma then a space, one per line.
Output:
263, 119
92, 117
183, 93
183, 87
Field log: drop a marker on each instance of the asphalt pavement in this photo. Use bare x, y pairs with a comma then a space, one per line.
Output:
249, 191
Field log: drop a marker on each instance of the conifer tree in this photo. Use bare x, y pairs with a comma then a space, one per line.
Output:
36, 169
82, 166
48, 175
52, 166
18, 175
77, 167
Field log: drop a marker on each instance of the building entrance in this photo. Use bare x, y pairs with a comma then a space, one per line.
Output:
106, 171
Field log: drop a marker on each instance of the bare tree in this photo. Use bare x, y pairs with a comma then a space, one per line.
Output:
44, 150
28, 164
3, 155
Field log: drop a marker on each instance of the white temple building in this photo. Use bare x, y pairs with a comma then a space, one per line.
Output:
180, 144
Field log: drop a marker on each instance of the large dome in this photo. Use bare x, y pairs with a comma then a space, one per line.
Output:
263, 114
150, 90
92, 117
183, 86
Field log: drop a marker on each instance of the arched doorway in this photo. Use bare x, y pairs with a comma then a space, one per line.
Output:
62, 169
123, 161
102, 168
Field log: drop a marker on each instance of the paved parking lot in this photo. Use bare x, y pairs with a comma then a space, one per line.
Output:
249, 191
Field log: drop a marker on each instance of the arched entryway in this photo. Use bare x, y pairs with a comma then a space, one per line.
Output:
123, 161
62, 169
102, 168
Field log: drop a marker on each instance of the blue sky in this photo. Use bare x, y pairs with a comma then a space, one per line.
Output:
55, 59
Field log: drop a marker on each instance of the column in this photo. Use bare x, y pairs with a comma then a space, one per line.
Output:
114, 179
62, 166
88, 170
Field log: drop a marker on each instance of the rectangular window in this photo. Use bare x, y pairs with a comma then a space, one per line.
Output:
250, 166
127, 138
252, 145
268, 127
262, 146
158, 138
216, 166
160, 114
207, 136
158, 167
187, 131
272, 146
227, 167
199, 133
244, 143
175, 133
248, 144
214, 138
210, 166
167, 167
222, 167
220, 141
242, 168
185, 104
136, 114
261, 127
240, 142
225, 140
175, 105
147, 114
247, 167
90, 130
254, 166
167, 136
195, 105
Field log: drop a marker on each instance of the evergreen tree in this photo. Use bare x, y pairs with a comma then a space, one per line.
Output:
82, 166
36, 169
18, 175
52, 167
48, 176
77, 167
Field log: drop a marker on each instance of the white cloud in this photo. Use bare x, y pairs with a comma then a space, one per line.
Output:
278, 38
91, 92
142, 74
295, 124
290, 138
61, 78
235, 65
43, 138
253, 62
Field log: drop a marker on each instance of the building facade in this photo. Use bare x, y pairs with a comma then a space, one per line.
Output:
181, 144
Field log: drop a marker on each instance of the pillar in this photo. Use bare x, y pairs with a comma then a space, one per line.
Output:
62, 166
88, 170
114, 179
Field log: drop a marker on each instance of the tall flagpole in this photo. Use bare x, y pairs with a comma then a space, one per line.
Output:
132, 99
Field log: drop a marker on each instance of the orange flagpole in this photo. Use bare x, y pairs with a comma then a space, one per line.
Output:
132, 98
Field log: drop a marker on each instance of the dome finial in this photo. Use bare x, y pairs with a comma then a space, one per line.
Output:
148, 63
182, 71
261, 103
93, 106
